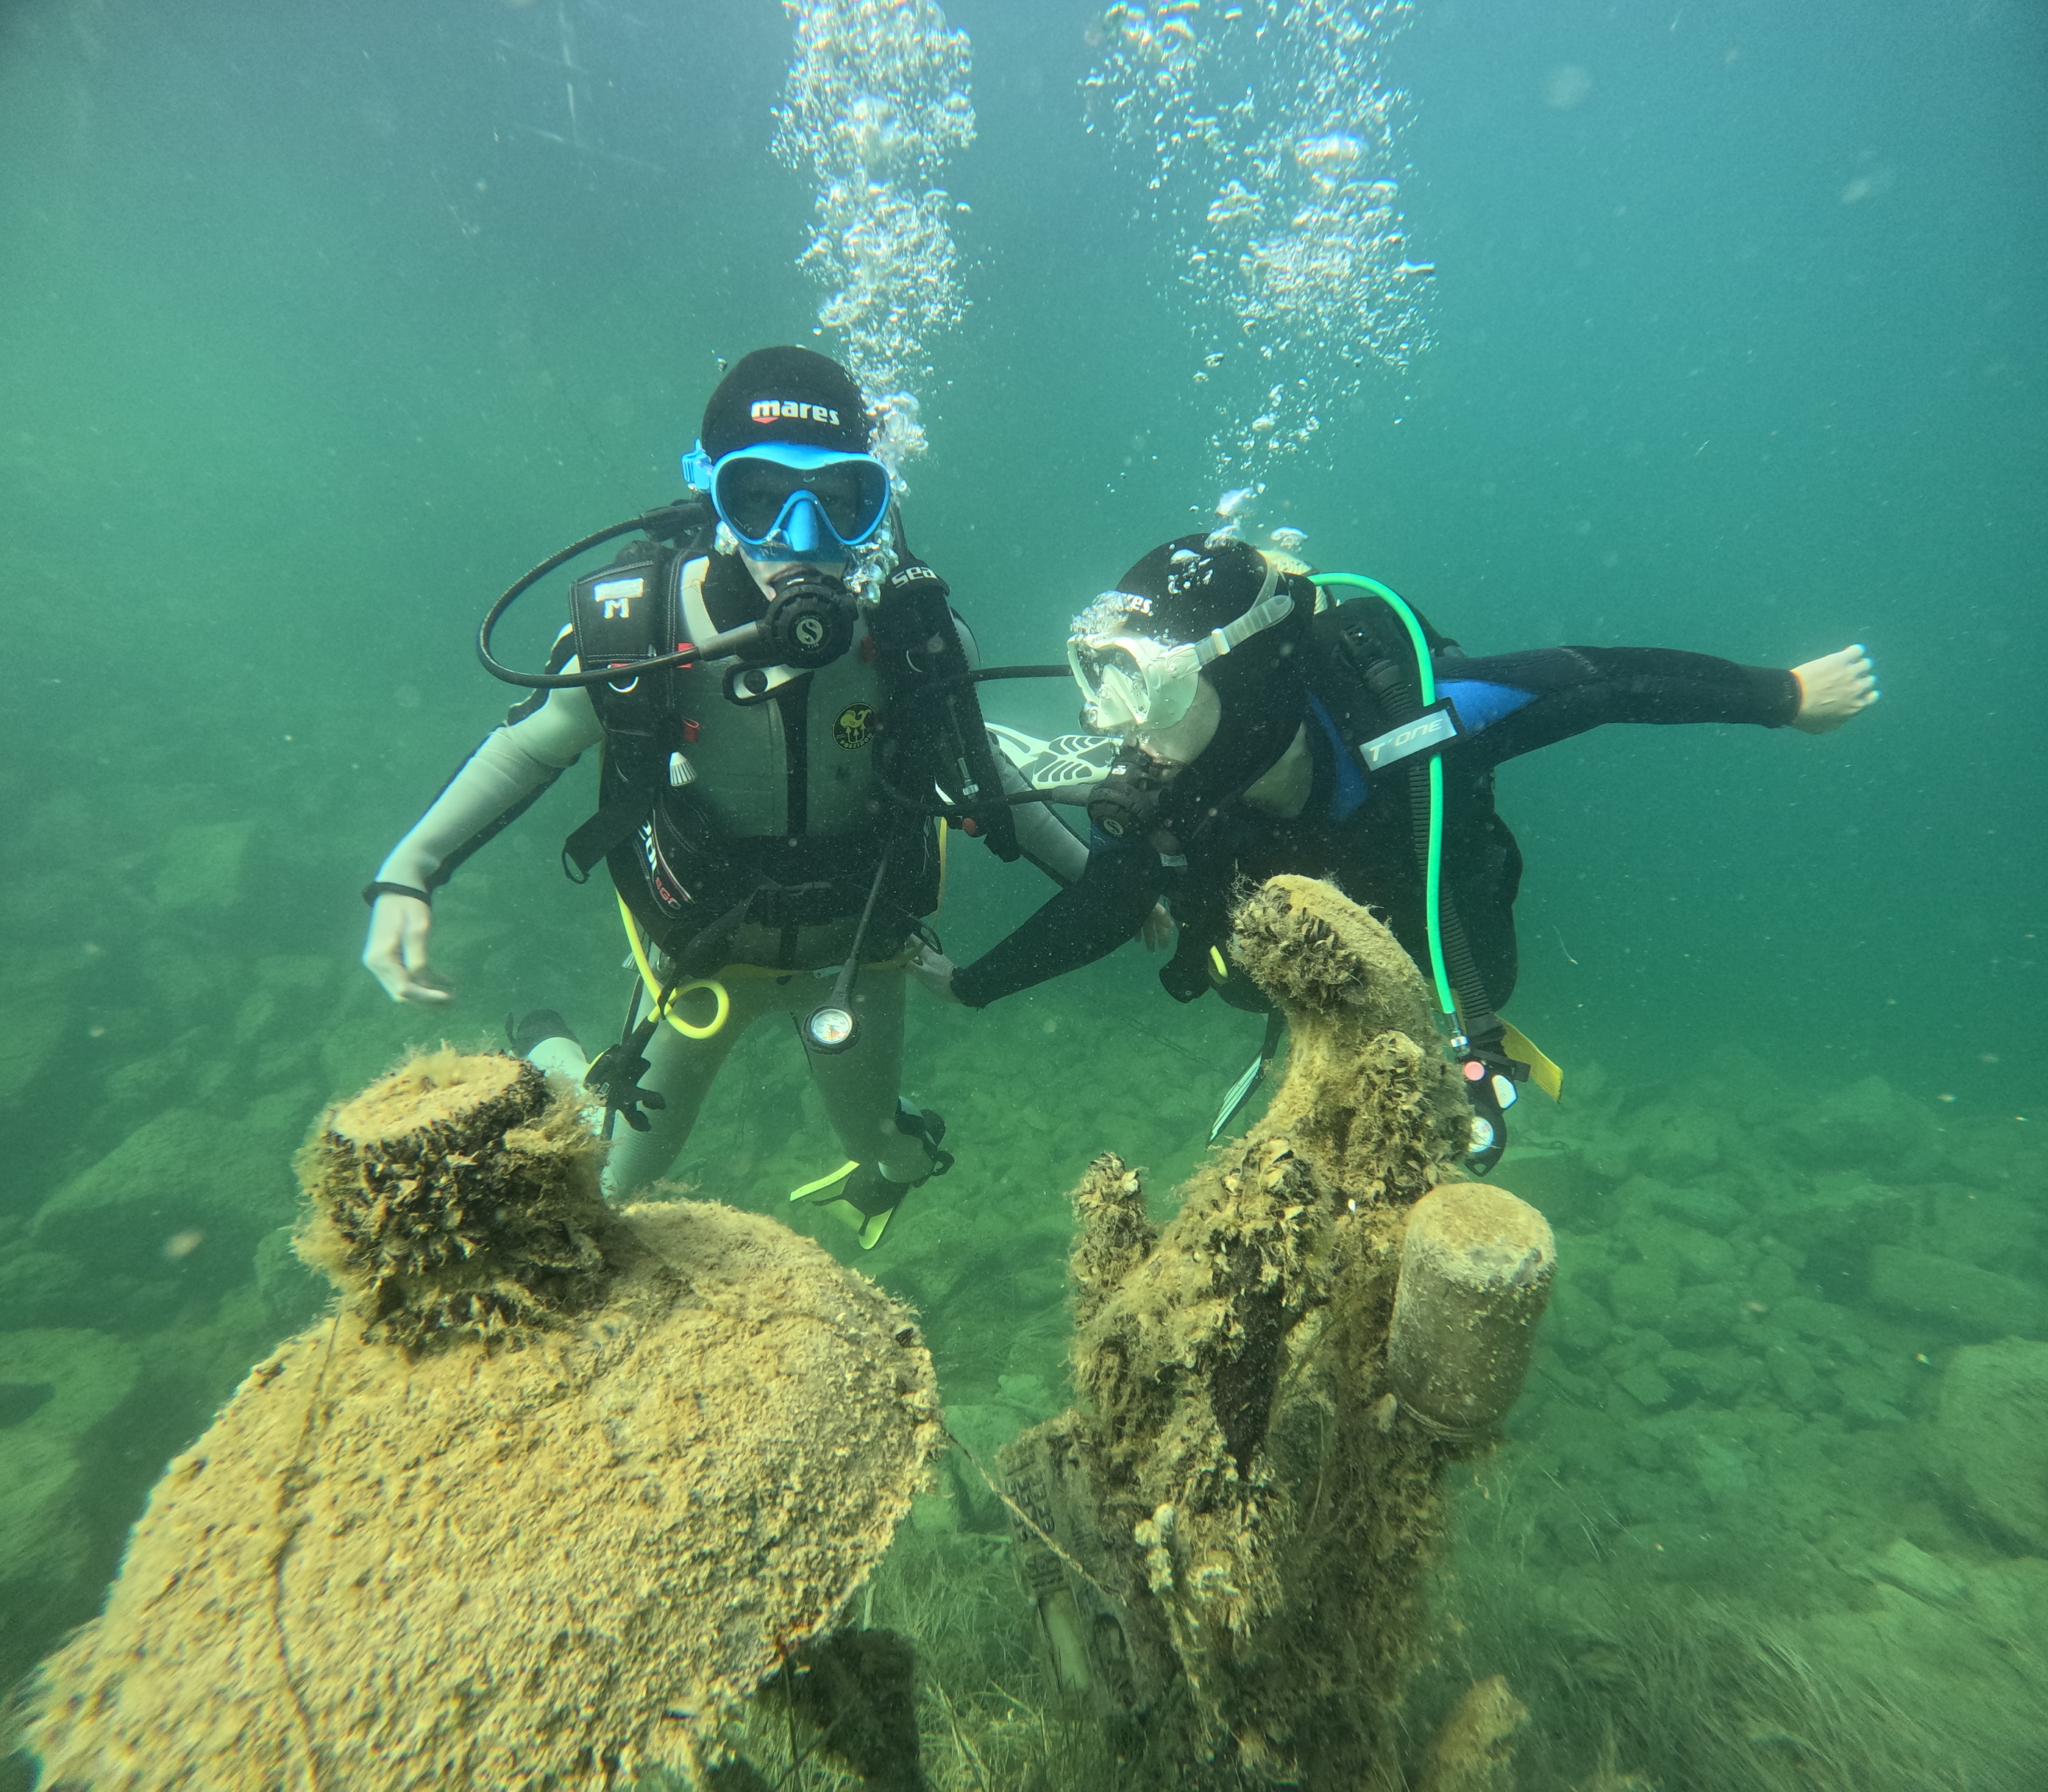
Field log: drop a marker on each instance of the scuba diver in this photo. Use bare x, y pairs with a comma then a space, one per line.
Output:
1268, 727
786, 705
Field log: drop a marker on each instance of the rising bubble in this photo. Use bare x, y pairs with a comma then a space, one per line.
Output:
1269, 142
877, 100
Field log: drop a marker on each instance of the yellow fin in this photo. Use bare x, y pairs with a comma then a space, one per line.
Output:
1542, 1072
810, 1190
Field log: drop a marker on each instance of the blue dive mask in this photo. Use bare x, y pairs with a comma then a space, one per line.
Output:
786, 501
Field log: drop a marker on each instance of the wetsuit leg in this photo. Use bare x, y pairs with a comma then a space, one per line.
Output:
858, 1086
682, 1071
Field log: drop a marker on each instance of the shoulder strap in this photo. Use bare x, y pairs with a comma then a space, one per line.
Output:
628, 611
1364, 675
935, 717
623, 611
1365, 636
559, 655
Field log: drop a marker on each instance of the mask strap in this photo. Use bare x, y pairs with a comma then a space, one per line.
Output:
1272, 605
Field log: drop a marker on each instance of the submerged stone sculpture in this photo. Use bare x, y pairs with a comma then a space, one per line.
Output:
542, 1503
1225, 1539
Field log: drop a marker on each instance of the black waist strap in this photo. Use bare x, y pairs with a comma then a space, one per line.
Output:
614, 824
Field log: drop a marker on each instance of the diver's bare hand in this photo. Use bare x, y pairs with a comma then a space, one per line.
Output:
1832, 688
395, 953
1157, 929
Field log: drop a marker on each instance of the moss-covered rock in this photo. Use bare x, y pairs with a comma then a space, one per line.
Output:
38, 1022
185, 1181
201, 866
41, 1288
1695, 1255
1705, 1315
1963, 1301
1681, 1143
1844, 1215
1867, 1125
1643, 1293
2000, 1229
1708, 1209
54, 1387
1578, 1324
1990, 1442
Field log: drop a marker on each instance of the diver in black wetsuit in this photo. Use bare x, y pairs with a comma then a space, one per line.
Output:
1267, 729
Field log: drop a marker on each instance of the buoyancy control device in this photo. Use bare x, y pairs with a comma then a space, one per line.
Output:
630, 629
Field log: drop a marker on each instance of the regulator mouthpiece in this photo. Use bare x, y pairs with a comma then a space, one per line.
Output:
810, 621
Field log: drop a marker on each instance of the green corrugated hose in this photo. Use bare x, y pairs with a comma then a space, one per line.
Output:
1433, 870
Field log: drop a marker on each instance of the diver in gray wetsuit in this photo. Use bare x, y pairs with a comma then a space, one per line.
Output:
760, 815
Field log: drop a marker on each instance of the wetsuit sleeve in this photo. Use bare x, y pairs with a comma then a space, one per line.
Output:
1086, 922
494, 786
1047, 841
1513, 704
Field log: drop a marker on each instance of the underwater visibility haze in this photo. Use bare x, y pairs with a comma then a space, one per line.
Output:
1711, 325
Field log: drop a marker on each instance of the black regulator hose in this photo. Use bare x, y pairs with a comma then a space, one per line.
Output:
809, 624
666, 523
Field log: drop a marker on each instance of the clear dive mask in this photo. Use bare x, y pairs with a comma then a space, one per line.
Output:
1136, 683
784, 501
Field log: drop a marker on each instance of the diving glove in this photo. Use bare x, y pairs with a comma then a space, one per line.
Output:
862, 1195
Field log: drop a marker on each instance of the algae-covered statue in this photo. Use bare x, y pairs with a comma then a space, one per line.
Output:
551, 1494
1225, 1537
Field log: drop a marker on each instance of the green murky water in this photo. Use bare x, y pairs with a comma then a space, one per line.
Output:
312, 336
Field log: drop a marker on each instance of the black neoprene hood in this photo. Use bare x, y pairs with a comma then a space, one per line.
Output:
1192, 587
785, 395
1197, 583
